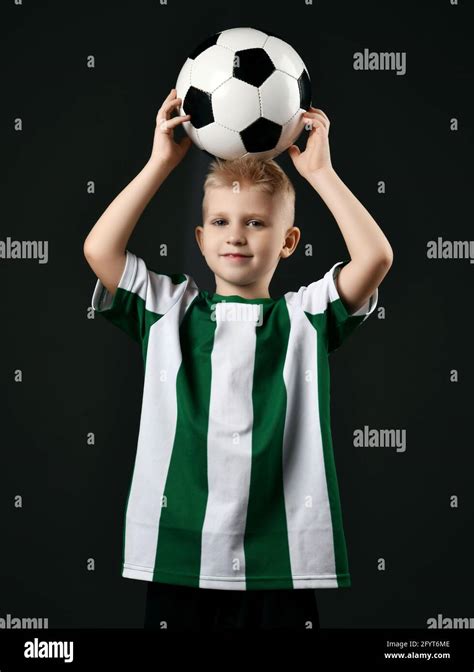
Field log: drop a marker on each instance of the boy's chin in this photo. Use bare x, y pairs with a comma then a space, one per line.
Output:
235, 279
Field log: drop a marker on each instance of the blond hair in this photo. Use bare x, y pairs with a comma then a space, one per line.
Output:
265, 175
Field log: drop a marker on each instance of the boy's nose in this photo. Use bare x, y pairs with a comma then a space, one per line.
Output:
235, 234
238, 242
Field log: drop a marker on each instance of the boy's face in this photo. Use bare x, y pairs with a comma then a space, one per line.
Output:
250, 223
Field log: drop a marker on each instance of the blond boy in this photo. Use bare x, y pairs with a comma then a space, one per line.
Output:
233, 515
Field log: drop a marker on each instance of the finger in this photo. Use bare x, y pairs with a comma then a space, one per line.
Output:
168, 104
294, 151
171, 105
169, 124
319, 116
181, 118
316, 129
314, 122
316, 109
170, 96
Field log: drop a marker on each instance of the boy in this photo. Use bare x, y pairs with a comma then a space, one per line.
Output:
233, 514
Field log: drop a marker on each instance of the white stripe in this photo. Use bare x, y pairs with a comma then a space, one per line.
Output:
314, 298
308, 514
158, 419
157, 290
229, 452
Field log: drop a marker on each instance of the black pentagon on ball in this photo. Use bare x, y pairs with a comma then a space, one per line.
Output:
253, 66
261, 136
205, 44
198, 104
304, 86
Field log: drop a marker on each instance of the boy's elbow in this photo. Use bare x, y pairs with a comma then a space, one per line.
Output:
86, 248
387, 258
89, 249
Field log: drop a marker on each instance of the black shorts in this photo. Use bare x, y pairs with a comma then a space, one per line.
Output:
185, 608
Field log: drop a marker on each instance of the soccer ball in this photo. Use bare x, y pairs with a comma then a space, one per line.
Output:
246, 91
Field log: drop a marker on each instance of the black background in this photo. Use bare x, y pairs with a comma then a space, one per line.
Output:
82, 375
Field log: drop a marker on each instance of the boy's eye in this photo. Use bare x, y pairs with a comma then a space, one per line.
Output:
254, 221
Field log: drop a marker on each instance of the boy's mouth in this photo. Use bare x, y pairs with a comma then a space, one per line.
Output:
236, 255
237, 258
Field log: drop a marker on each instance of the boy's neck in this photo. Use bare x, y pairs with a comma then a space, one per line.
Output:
252, 291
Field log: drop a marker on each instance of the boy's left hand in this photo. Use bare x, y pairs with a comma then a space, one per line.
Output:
316, 154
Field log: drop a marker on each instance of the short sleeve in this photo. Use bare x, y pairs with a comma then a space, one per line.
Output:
142, 297
322, 303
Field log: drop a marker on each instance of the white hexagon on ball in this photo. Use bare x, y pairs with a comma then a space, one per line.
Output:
215, 137
244, 112
284, 56
242, 38
280, 97
212, 68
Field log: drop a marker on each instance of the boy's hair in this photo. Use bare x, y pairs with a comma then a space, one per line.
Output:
265, 175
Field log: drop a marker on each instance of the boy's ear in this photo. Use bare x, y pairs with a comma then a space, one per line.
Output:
198, 232
292, 239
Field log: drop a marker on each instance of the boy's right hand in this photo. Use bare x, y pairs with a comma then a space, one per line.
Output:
165, 149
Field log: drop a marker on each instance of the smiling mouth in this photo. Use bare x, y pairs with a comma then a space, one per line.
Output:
231, 254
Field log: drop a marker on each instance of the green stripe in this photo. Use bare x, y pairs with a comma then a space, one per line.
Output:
267, 553
178, 555
136, 308
340, 324
128, 311
342, 567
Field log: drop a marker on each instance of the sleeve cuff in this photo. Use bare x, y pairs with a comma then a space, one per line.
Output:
102, 299
365, 310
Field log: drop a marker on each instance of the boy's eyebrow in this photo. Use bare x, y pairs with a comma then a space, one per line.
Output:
249, 214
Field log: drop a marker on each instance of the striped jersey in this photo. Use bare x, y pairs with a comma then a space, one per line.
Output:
234, 483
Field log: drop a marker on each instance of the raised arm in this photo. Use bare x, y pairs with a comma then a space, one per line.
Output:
105, 246
370, 252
